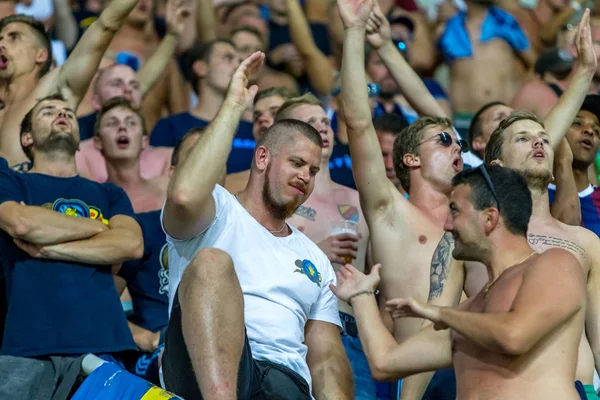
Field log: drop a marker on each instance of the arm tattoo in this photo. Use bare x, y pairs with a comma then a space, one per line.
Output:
440, 266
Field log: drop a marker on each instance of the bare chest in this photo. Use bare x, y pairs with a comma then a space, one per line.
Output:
148, 198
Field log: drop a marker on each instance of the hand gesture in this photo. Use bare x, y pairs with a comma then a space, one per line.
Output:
355, 13
341, 248
177, 15
584, 45
351, 281
410, 308
238, 91
378, 28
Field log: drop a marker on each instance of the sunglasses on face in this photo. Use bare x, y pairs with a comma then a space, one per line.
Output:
489, 182
447, 140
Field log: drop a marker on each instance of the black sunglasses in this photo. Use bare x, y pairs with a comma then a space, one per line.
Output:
489, 182
446, 140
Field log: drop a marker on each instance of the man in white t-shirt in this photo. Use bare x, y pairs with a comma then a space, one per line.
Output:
253, 315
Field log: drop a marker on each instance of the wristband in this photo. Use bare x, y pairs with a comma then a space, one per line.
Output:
360, 294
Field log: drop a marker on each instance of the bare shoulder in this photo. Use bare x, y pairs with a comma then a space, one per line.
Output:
556, 262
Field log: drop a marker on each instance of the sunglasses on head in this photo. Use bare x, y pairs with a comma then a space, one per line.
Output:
446, 140
489, 182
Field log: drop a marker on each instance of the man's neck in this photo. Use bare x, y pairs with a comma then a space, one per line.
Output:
15, 88
124, 173
323, 182
582, 179
209, 102
541, 205
58, 165
433, 203
477, 11
506, 253
251, 199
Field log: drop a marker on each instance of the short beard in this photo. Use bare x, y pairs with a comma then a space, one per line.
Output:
537, 180
56, 144
277, 210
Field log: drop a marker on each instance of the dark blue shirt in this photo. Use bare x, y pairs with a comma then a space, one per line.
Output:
3, 164
60, 307
148, 278
589, 200
169, 131
86, 126
340, 166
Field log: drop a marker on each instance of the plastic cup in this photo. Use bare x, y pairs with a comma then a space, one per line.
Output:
344, 226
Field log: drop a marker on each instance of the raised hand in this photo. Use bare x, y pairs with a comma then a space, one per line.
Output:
355, 13
351, 281
238, 91
410, 308
584, 45
378, 28
564, 153
177, 15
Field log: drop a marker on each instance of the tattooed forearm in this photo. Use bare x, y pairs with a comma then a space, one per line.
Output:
440, 266
543, 242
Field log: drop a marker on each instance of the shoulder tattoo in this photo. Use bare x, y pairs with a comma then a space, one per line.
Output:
440, 266
543, 242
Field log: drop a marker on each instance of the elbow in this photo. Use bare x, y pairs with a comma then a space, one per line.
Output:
513, 343
136, 250
19, 227
179, 198
381, 372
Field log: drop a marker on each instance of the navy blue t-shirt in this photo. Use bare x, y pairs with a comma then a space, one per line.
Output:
86, 126
169, 131
340, 166
148, 278
59, 307
3, 164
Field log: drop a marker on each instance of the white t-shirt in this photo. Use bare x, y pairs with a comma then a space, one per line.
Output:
285, 280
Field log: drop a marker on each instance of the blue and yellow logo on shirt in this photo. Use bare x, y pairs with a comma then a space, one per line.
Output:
308, 268
76, 208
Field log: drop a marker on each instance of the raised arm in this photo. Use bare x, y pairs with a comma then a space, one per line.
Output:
411, 85
190, 207
566, 206
74, 77
318, 68
45, 227
376, 190
552, 291
206, 21
65, 25
562, 115
177, 17
427, 350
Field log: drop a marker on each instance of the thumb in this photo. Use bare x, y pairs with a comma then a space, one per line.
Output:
375, 269
252, 92
333, 289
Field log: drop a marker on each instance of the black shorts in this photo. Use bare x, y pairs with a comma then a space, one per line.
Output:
257, 379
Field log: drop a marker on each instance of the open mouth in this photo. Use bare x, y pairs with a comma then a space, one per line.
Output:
325, 143
122, 142
539, 155
3, 62
457, 164
587, 144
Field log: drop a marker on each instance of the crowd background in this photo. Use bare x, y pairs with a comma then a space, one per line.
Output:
167, 69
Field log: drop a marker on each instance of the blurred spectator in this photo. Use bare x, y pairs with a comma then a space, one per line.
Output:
114, 81
211, 66
485, 121
491, 68
248, 40
388, 127
53, 220
584, 140
121, 138
26, 73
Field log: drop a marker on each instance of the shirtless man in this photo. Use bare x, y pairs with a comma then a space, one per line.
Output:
518, 337
121, 138
540, 95
266, 106
485, 121
484, 69
25, 60
135, 37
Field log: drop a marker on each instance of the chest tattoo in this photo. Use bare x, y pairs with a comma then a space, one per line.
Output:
307, 212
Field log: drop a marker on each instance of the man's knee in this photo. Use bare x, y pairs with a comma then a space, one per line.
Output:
209, 266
